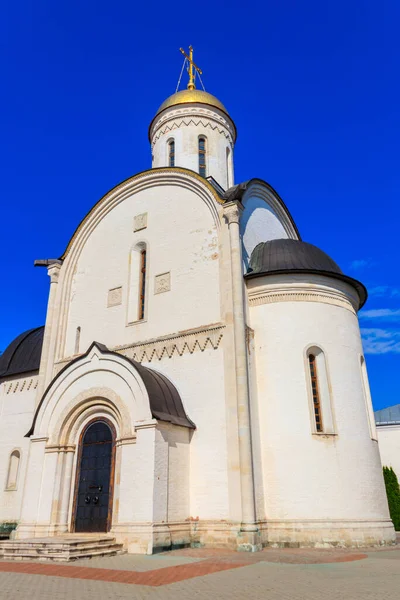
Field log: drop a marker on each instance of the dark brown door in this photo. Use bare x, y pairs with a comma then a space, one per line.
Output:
93, 496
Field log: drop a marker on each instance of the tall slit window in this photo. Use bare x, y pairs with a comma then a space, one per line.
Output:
315, 393
142, 284
171, 153
202, 156
228, 168
321, 392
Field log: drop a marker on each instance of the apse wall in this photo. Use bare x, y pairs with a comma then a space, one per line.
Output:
333, 476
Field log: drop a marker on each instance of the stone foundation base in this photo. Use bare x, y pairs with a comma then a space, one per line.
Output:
327, 534
150, 538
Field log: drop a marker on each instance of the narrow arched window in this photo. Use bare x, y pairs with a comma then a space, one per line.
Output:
315, 392
142, 283
202, 156
171, 153
228, 168
137, 286
13, 469
320, 401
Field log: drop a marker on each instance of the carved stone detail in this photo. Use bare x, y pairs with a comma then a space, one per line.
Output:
53, 270
167, 346
174, 345
13, 387
232, 212
177, 123
114, 297
140, 222
303, 296
193, 112
162, 283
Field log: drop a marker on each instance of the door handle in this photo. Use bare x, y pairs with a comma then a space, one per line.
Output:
87, 500
95, 500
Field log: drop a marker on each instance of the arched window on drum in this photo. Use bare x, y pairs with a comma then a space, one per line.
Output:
320, 396
171, 153
202, 156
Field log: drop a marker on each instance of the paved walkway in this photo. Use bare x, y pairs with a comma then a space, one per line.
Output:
287, 574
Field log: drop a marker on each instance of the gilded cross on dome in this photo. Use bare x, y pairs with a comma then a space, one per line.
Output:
192, 66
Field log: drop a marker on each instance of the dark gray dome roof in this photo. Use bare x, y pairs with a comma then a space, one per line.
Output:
165, 401
23, 354
294, 256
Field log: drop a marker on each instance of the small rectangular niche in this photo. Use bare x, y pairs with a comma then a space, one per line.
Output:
114, 297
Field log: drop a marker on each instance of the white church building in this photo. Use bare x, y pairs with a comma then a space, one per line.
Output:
200, 378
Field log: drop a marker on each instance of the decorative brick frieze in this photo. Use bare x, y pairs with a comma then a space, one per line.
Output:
167, 346
24, 385
268, 297
195, 121
174, 345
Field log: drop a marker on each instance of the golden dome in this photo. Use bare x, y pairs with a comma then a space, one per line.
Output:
192, 96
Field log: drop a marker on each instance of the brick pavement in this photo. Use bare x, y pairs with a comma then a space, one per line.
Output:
275, 573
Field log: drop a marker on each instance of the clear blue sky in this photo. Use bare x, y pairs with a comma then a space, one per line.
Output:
312, 86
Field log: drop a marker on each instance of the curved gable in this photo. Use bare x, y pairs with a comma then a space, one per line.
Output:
265, 217
139, 393
102, 259
141, 180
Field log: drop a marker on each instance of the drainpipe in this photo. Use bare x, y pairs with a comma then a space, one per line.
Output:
249, 538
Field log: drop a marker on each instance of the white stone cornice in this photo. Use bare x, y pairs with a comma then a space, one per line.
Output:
299, 294
127, 440
60, 448
150, 424
194, 112
191, 120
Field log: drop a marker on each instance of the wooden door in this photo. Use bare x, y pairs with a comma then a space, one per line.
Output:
93, 496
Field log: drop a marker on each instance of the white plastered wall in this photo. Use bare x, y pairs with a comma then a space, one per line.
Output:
199, 378
389, 446
17, 403
308, 476
263, 219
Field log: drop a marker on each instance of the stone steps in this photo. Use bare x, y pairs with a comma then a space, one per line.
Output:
66, 548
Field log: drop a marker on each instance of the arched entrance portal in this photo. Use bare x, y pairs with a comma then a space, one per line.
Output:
94, 478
